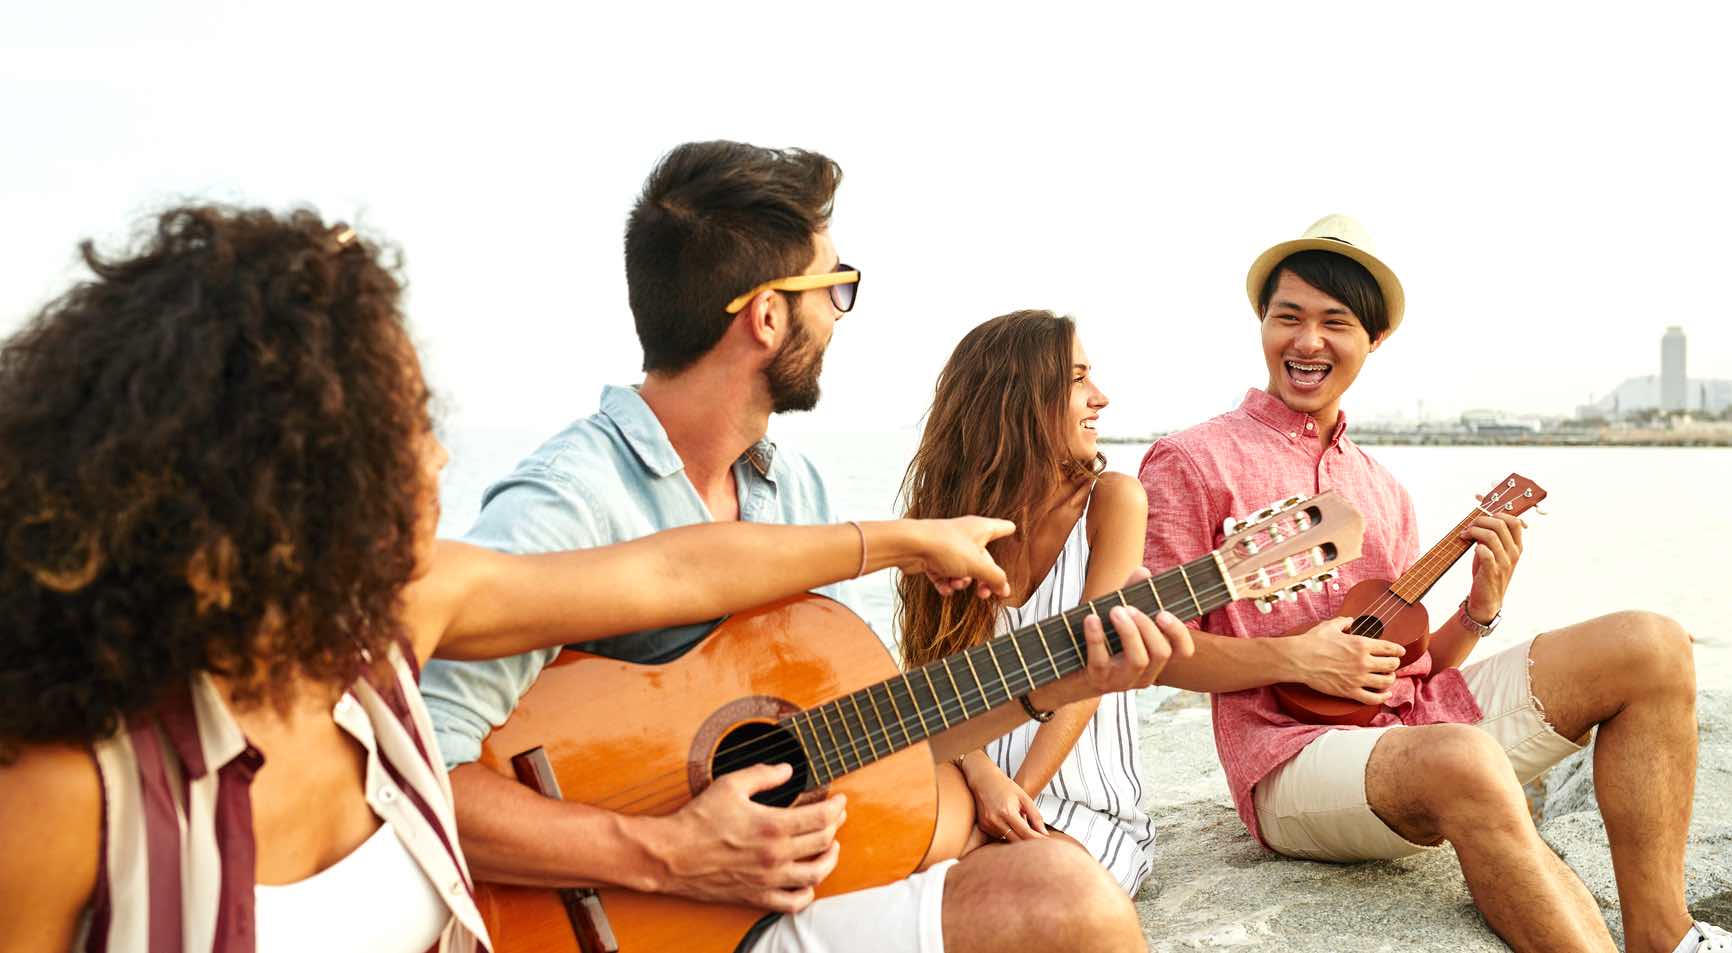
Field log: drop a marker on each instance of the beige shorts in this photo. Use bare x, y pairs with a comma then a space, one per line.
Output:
1314, 806
905, 917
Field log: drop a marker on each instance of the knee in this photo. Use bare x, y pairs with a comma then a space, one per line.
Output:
1093, 910
1473, 778
1655, 646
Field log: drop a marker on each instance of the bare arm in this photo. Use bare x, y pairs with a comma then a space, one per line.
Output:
1497, 548
1116, 517
721, 846
51, 824
477, 603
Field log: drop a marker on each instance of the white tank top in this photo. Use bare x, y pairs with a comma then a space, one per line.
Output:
375, 900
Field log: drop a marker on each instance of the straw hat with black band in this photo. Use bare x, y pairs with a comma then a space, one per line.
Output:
1343, 235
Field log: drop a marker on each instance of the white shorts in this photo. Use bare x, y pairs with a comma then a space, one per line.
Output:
1314, 806
904, 917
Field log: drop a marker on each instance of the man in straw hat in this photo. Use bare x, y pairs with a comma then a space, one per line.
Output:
1446, 754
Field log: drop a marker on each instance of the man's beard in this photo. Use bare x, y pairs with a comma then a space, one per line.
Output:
792, 374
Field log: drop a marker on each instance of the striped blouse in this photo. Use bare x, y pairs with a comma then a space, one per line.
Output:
1097, 794
177, 858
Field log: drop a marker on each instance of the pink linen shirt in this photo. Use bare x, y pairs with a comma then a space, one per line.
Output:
1234, 465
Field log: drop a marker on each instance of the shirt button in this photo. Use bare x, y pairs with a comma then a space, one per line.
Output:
1294, 434
1335, 586
387, 794
456, 888
1309, 425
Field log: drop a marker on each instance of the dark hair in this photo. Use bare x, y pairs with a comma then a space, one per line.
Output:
715, 220
994, 445
211, 463
1339, 277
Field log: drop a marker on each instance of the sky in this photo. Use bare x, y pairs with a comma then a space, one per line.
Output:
1549, 180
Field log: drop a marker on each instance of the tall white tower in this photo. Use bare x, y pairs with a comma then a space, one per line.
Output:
1673, 392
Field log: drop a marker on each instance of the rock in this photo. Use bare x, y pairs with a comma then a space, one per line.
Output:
1214, 888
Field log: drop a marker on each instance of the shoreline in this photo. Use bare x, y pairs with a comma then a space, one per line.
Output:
1552, 438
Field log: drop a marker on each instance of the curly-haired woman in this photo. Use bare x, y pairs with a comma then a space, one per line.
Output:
218, 575
1011, 433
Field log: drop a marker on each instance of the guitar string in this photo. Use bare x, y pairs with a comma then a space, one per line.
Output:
790, 744
770, 749
884, 736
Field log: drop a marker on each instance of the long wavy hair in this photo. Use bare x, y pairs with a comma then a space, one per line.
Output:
995, 444
209, 462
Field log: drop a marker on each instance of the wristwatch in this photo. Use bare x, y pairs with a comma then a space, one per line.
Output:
1472, 625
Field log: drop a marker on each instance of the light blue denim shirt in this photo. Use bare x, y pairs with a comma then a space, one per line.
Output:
606, 479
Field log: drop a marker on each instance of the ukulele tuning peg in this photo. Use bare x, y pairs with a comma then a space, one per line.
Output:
1510, 484
1528, 493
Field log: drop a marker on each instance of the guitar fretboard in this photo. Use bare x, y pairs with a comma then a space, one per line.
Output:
877, 721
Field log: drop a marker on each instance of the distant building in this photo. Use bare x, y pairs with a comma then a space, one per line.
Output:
1674, 393
1671, 389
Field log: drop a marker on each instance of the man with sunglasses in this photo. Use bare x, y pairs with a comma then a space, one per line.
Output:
735, 288
1448, 746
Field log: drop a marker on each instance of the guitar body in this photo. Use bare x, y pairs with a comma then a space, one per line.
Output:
1407, 625
640, 739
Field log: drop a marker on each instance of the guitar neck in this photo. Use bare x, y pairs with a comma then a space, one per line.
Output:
877, 721
1423, 574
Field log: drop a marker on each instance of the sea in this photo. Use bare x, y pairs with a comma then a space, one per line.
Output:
1621, 528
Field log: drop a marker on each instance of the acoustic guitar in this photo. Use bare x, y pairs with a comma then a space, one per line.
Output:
805, 682
1391, 611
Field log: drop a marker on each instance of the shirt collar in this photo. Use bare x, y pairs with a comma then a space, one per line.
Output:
649, 440
1266, 409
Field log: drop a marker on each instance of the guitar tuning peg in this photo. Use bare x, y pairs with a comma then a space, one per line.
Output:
1264, 607
1318, 557
1288, 595
1326, 576
1232, 525
1251, 548
1302, 520
1315, 585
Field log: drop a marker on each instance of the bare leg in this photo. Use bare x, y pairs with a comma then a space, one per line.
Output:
955, 834
1632, 674
1453, 782
1042, 895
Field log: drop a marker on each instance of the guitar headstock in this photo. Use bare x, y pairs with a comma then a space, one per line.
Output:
1295, 544
1513, 495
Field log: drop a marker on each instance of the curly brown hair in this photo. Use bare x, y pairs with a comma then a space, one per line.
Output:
209, 462
993, 445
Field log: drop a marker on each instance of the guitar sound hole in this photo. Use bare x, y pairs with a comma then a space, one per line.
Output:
758, 743
1369, 626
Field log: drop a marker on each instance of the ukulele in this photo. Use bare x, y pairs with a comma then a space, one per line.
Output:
803, 681
1391, 611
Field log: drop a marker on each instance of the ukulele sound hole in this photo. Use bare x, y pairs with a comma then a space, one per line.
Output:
758, 743
1369, 626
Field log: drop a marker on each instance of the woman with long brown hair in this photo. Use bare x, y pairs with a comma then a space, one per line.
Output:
1011, 433
219, 577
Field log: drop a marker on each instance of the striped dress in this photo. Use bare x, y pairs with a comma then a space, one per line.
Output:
177, 854
1097, 794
